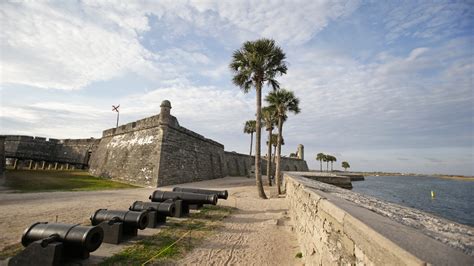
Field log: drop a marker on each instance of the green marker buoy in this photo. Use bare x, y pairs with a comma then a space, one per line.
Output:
432, 194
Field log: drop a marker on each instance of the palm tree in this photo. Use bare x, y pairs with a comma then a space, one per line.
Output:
249, 128
269, 119
253, 65
320, 157
332, 159
275, 144
283, 101
345, 165
326, 159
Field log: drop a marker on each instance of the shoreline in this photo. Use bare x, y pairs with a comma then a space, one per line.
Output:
452, 177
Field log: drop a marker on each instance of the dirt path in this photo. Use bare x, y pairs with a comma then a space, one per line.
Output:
259, 233
256, 234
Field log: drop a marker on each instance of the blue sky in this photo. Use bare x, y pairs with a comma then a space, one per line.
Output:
385, 85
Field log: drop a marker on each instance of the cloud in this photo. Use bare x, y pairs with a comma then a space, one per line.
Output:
428, 19
47, 47
69, 46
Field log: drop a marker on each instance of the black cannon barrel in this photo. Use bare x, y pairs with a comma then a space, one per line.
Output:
189, 198
131, 218
166, 208
88, 238
221, 194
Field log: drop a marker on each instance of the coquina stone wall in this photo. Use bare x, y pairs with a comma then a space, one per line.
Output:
238, 164
335, 226
2, 154
34, 152
157, 151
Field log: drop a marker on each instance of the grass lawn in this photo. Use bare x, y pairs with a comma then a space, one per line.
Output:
48, 180
174, 240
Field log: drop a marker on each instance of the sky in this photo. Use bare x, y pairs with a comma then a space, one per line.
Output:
384, 85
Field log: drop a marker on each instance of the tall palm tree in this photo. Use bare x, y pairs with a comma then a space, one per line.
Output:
345, 165
275, 144
249, 128
320, 157
253, 65
284, 101
326, 159
332, 159
269, 119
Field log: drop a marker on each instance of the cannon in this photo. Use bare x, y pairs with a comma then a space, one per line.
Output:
117, 224
221, 194
184, 200
157, 211
186, 197
54, 243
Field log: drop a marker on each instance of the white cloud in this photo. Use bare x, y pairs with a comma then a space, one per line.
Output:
48, 47
69, 46
427, 19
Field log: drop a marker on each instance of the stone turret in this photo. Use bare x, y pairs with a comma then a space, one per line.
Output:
165, 113
300, 153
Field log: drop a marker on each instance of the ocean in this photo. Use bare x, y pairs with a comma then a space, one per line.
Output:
453, 198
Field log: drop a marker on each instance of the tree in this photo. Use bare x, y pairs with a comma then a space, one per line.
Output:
253, 65
249, 128
326, 159
320, 158
275, 144
332, 159
269, 119
284, 101
345, 165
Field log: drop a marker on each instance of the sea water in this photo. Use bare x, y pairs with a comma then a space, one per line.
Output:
453, 199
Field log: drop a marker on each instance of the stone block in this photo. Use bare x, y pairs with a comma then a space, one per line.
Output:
372, 245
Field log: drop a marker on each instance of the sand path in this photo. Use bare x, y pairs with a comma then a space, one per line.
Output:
258, 233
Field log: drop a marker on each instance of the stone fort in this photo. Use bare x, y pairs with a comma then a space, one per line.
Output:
154, 151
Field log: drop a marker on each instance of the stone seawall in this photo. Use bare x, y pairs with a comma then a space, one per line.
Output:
337, 226
238, 164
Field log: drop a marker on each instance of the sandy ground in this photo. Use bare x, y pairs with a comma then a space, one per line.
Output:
258, 233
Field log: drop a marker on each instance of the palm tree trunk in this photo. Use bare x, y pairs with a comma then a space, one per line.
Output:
320, 165
331, 167
269, 157
258, 137
327, 166
250, 154
278, 154
274, 153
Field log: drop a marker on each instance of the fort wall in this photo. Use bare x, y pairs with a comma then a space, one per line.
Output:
157, 151
34, 152
2, 154
238, 164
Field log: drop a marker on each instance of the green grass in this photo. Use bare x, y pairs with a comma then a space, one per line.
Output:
48, 180
157, 249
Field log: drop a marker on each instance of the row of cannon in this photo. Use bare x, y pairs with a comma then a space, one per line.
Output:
53, 243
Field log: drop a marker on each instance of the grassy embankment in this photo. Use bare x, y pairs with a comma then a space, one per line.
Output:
46, 180
174, 240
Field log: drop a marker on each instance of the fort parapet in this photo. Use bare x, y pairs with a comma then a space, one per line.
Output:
42, 153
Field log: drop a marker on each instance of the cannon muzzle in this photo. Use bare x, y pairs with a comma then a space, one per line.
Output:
131, 219
73, 236
166, 208
188, 198
221, 194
